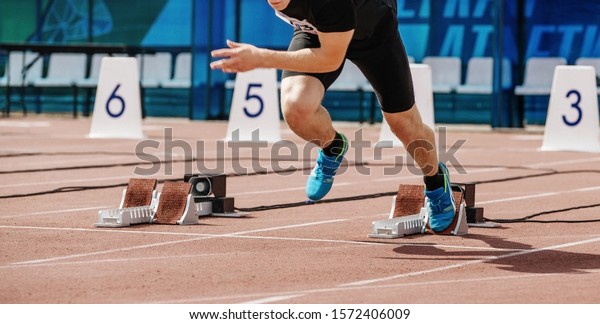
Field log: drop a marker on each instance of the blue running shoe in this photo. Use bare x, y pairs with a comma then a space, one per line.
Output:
441, 204
321, 178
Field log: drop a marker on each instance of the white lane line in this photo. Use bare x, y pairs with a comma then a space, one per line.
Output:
460, 247
62, 211
302, 239
24, 124
232, 235
588, 189
394, 178
418, 284
354, 288
540, 195
391, 178
472, 262
262, 192
89, 180
145, 246
65, 163
72, 256
556, 163
274, 238
485, 170
123, 260
125, 144
272, 299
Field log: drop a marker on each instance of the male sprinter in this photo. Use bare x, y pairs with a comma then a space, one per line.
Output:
325, 33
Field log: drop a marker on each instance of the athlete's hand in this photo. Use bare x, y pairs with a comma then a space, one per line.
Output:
238, 57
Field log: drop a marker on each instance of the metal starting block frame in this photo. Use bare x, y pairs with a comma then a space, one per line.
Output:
397, 226
205, 209
216, 207
210, 195
123, 217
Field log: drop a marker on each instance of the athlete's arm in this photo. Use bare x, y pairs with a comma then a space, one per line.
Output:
244, 57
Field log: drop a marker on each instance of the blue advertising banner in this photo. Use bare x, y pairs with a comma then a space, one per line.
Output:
465, 28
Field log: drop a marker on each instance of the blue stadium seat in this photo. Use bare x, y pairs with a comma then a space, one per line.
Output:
539, 72
446, 73
480, 76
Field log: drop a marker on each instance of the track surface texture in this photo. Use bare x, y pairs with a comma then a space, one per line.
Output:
54, 180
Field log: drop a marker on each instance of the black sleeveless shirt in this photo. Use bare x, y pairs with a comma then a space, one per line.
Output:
372, 20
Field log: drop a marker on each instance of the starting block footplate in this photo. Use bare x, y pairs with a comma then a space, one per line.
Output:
409, 214
123, 217
399, 226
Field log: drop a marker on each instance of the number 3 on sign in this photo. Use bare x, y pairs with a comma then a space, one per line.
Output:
575, 106
114, 96
250, 96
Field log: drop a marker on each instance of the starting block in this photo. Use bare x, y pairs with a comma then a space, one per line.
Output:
409, 213
176, 205
141, 204
138, 205
179, 203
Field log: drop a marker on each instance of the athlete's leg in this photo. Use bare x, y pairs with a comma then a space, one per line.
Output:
388, 71
417, 138
301, 96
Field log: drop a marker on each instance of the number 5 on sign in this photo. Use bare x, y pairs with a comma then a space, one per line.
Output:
258, 98
254, 114
572, 123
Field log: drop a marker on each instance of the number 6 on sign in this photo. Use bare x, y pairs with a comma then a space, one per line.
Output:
117, 109
254, 114
114, 96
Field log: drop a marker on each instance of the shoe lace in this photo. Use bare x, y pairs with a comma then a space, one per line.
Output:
318, 171
324, 169
436, 205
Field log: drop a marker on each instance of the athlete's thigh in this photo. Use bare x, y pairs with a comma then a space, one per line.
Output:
388, 70
302, 40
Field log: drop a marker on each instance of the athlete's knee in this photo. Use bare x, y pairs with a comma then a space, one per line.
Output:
407, 125
297, 106
295, 109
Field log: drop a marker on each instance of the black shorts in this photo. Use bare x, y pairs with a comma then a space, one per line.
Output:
385, 65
